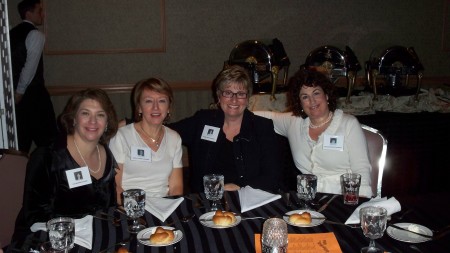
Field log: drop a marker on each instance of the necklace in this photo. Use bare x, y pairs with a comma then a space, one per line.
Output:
82, 158
311, 125
158, 136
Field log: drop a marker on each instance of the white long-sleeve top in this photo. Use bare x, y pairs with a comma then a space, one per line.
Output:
311, 158
35, 45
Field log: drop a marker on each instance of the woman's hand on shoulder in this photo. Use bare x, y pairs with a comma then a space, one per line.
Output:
231, 187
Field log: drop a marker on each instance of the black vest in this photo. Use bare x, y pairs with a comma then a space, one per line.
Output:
17, 37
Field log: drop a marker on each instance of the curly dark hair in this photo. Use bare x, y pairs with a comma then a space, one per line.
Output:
67, 118
309, 78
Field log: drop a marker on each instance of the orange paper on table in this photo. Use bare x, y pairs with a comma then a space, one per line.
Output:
308, 243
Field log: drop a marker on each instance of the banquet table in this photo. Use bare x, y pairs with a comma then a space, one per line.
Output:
241, 238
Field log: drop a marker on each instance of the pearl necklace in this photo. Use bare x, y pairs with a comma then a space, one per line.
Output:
330, 116
158, 136
82, 158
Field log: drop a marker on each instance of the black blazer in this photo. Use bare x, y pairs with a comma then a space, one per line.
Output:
255, 148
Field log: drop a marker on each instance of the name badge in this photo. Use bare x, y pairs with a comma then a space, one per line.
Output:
210, 133
333, 142
78, 177
141, 154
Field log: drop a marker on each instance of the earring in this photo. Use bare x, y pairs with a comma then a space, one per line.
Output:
140, 115
106, 128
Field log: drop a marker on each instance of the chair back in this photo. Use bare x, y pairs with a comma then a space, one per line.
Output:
377, 147
12, 169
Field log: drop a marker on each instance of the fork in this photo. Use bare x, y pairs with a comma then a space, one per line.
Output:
343, 224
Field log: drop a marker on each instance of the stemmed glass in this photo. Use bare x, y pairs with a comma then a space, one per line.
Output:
134, 205
213, 184
373, 224
306, 188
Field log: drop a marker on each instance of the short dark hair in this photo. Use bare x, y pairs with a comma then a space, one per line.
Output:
233, 74
26, 5
67, 117
310, 78
152, 84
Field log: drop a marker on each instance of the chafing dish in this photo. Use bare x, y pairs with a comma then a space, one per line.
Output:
396, 64
264, 62
336, 63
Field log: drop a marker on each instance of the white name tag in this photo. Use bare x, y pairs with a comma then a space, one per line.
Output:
141, 154
210, 133
78, 177
333, 142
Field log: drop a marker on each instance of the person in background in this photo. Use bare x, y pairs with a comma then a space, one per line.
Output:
51, 189
148, 153
324, 141
35, 117
231, 140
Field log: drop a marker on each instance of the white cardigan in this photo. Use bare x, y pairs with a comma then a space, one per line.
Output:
310, 157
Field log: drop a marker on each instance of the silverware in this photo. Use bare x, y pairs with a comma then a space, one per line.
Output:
410, 231
343, 224
313, 218
326, 204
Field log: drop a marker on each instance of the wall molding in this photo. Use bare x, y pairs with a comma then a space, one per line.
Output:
63, 90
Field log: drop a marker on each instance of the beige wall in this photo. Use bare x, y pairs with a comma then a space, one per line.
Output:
199, 35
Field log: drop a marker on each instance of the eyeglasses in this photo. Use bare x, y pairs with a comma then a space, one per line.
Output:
230, 94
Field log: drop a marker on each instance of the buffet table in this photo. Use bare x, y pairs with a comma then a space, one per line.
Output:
241, 238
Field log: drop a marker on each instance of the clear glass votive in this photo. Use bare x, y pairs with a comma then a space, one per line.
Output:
274, 238
61, 232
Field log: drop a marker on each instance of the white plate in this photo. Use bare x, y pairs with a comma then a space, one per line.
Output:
146, 233
314, 222
209, 223
406, 236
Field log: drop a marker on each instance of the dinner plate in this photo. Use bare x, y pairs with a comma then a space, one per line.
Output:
146, 233
406, 236
206, 220
314, 222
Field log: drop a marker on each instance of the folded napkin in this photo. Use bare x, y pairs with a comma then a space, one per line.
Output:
250, 198
83, 231
162, 208
392, 206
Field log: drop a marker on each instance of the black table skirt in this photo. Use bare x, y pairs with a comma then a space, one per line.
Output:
240, 238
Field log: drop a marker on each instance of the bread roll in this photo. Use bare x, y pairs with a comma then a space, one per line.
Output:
162, 236
224, 218
300, 219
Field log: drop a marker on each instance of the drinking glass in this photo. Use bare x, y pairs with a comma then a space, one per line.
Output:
274, 237
350, 183
213, 184
373, 224
61, 232
134, 205
306, 188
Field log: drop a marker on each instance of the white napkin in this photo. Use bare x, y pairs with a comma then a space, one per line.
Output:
162, 208
250, 198
392, 206
83, 230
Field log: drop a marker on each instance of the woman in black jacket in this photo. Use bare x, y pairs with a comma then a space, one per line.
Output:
231, 140
76, 176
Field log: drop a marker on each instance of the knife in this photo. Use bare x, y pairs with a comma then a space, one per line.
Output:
405, 229
326, 204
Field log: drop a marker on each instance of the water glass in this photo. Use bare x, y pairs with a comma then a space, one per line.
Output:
134, 205
306, 187
373, 223
213, 184
274, 238
61, 232
350, 183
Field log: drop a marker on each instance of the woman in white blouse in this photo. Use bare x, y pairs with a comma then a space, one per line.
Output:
148, 153
324, 140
